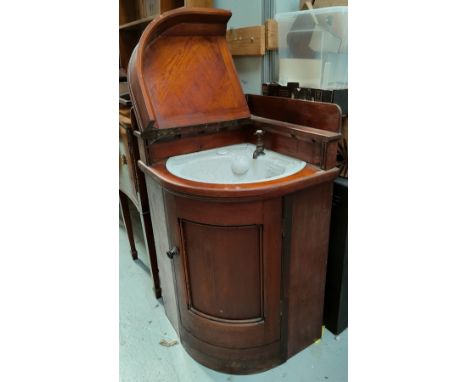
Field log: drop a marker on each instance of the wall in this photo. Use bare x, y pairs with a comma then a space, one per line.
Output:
253, 71
246, 13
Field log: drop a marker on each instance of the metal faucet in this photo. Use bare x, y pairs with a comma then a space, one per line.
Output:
260, 149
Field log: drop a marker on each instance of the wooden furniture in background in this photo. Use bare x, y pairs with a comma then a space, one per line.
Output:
242, 266
253, 40
248, 41
329, 3
132, 188
135, 15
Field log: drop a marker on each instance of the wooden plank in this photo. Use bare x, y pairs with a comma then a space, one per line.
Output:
128, 11
321, 115
199, 3
271, 34
137, 24
299, 131
248, 41
149, 8
167, 5
123, 119
330, 3
304, 283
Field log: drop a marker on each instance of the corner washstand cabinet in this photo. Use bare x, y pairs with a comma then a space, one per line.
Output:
242, 264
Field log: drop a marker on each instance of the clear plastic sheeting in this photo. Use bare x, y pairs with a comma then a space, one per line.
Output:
313, 48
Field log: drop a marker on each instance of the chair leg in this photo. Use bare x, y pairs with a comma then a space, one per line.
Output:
128, 223
151, 249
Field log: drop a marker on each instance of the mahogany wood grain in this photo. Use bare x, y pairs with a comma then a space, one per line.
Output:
185, 46
324, 116
314, 146
222, 302
248, 260
309, 176
284, 143
329, 160
233, 361
185, 145
299, 131
231, 258
304, 281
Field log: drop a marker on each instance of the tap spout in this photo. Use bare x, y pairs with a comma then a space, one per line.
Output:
260, 149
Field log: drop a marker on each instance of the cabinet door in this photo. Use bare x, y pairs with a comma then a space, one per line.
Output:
227, 270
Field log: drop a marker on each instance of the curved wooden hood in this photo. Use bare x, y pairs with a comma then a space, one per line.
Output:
181, 73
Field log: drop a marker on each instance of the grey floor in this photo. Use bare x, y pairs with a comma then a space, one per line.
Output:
143, 324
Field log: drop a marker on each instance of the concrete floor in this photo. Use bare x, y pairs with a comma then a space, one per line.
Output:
143, 324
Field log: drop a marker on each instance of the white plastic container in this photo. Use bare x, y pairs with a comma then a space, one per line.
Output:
313, 48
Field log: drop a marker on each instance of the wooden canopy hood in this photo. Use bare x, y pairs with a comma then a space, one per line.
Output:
182, 74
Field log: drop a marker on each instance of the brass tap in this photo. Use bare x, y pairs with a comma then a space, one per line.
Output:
260, 150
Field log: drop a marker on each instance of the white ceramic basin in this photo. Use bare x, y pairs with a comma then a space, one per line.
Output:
233, 165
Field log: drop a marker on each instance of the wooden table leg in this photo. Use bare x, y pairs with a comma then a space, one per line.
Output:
128, 223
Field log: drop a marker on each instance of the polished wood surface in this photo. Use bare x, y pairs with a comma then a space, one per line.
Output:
219, 256
313, 145
247, 261
307, 177
296, 130
185, 46
165, 149
304, 282
228, 272
319, 115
